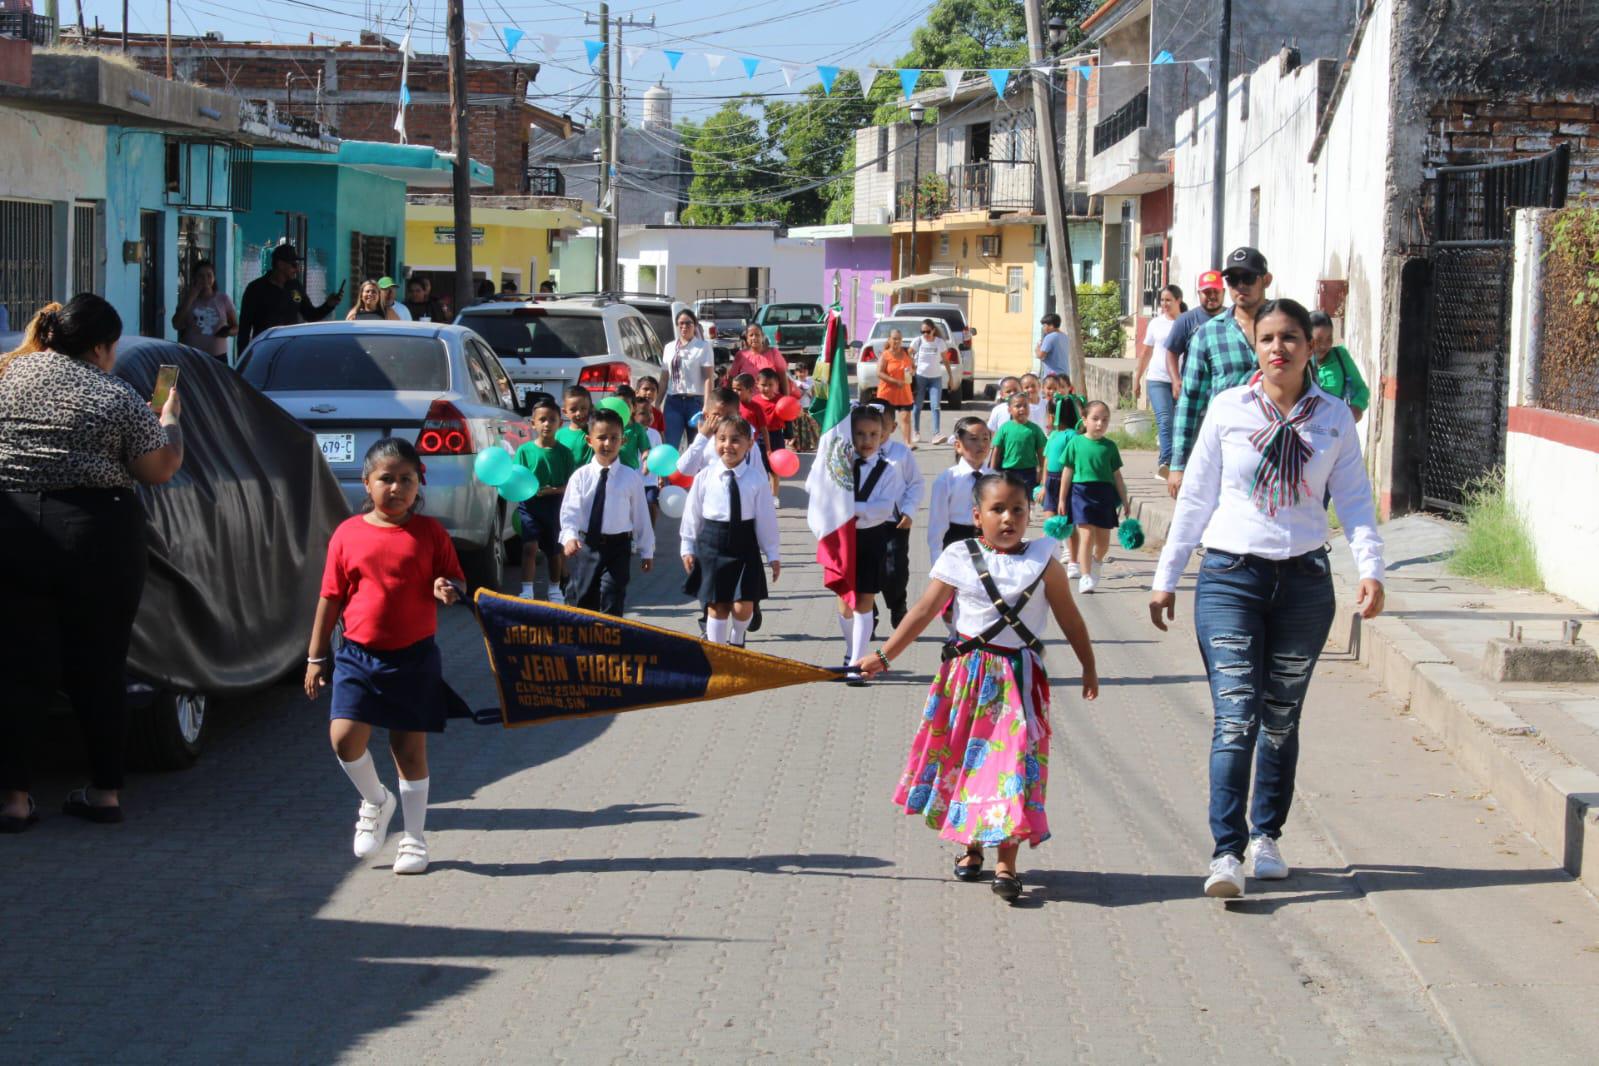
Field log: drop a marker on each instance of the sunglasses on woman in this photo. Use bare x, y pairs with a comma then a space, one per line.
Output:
927, 333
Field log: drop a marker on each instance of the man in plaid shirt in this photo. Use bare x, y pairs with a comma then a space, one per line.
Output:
1220, 355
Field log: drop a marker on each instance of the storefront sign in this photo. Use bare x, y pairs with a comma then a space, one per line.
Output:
446, 235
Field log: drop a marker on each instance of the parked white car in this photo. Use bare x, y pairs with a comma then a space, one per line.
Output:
598, 342
910, 329
955, 318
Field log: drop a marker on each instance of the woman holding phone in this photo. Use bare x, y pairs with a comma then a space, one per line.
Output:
74, 442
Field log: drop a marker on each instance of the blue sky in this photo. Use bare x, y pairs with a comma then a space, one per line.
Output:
844, 33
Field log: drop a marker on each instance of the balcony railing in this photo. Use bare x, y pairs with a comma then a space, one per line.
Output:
27, 26
1133, 115
1002, 185
544, 181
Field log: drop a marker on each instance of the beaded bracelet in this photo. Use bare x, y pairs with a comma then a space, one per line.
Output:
882, 658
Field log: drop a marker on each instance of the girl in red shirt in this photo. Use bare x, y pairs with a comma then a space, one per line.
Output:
385, 568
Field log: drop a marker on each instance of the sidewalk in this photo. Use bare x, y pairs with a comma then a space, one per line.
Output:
1535, 746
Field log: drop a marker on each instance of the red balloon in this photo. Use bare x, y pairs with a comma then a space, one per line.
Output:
784, 463
788, 409
682, 481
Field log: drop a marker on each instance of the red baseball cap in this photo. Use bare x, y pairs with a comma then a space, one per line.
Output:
1211, 279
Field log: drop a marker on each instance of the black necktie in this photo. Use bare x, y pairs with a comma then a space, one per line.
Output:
597, 512
860, 464
735, 506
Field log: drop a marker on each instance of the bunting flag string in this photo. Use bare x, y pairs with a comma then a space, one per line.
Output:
827, 76
632, 53
908, 77
1000, 78
550, 42
952, 79
750, 66
593, 48
673, 58
713, 62
789, 71
513, 37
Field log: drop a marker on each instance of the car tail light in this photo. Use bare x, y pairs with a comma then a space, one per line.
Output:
604, 377
777, 335
710, 331
868, 356
444, 431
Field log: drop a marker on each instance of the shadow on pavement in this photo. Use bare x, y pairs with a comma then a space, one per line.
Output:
824, 865
489, 818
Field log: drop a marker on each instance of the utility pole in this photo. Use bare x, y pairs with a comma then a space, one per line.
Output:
1056, 233
611, 140
461, 183
1218, 188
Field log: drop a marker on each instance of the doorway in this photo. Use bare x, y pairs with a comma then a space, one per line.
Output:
152, 298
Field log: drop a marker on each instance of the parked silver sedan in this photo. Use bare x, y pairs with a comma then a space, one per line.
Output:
352, 383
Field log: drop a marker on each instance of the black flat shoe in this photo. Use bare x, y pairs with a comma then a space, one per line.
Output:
78, 806
1007, 887
755, 620
965, 871
10, 823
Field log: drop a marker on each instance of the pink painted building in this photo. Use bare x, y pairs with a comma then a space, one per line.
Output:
854, 258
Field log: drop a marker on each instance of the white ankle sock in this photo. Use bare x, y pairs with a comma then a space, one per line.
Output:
716, 629
414, 804
527, 590
737, 629
862, 635
364, 776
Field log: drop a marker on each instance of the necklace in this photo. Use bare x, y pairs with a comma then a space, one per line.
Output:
1020, 546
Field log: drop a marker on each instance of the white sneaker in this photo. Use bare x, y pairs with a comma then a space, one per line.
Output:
372, 824
1226, 880
1089, 582
1073, 571
1267, 859
941, 438
411, 856
556, 597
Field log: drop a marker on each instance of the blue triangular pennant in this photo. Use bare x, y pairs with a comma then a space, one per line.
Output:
672, 58
513, 37
1163, 57
593, 48
907, 81
1084, 71
749, 66
405, 96
828, 75
1000, 78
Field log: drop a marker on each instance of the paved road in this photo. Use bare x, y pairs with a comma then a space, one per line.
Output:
729, 882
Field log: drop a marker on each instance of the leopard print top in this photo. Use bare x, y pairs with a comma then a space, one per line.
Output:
66, 424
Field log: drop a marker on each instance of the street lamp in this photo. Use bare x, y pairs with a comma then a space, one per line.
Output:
1057, 33
918, 116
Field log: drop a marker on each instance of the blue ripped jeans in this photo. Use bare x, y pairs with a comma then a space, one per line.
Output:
1261, 625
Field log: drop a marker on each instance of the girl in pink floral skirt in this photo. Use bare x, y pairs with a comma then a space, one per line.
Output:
979, 764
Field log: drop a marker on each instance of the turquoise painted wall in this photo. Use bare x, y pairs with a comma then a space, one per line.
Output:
1085, 245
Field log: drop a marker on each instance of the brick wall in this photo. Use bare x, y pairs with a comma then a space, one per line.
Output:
356, 91
1465, 131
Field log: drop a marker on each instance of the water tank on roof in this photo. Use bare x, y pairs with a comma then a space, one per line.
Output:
657, 105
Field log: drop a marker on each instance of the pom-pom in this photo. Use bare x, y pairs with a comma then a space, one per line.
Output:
1058, 528
1131, 534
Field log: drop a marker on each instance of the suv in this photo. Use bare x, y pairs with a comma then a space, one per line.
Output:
546, 345
657, 307
725, 318
866, 361
953, 317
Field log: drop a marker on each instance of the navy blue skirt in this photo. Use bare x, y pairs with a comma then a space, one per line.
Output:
1052, 492
399, 689
727, 564
1095, 503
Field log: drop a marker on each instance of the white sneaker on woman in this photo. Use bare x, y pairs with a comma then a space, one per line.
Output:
411, 856
1073, 571
1226, 880
1267, 859
1090, 579
372, 824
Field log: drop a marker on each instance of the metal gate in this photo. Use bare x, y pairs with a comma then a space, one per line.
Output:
1469, 318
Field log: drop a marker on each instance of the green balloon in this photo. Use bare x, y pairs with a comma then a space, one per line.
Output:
493, 466
620, 406
519, 485
662, 460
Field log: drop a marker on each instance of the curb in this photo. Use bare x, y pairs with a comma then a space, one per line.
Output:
1552, 798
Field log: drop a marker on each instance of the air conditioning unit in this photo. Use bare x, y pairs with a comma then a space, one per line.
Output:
882, 216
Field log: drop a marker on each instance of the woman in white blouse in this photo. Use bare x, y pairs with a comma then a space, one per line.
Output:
689, 364
1268, 453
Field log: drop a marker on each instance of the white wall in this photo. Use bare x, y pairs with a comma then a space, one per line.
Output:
1539, 475
797, 270
689, 260
63, 161
1316, 220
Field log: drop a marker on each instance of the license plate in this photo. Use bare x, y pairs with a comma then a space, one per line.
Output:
337, 447
522, 390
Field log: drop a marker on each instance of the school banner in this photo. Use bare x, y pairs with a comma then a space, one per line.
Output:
555, 662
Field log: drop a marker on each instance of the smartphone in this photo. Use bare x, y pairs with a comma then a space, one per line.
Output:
166, 379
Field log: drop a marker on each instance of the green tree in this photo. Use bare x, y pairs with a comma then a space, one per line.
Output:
813, 137
728, 156
978, 34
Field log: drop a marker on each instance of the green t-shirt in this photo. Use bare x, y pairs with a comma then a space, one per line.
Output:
1093, 460
575, 441
1055, 450
1338, 375
1018, 444
552, 466
635, 443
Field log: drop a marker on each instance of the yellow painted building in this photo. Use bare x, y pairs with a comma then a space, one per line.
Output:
512, 236
998, 251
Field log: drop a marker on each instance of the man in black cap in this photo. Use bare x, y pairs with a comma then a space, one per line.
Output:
1220, 355
277, 298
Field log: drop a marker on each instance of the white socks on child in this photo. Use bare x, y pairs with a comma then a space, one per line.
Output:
716, 629
737, 629
861, 635
364, 776
414, 805
527, 590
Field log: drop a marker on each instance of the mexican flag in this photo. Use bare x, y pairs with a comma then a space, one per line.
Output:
831, 483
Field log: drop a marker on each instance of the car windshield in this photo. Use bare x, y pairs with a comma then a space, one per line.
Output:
725, 310
537, 334
794, 314
348, 362
909, 328
947, 315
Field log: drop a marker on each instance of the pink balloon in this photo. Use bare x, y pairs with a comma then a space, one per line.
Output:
788, 409
784, 463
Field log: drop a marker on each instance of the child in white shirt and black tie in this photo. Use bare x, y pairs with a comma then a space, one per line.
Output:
729, 522
603, 515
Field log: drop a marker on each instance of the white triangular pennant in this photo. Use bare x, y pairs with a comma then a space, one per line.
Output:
475, 31
868, 76
632, 53
714, 61
405, 45
549, 42
1204, 67
789, 70
952, 79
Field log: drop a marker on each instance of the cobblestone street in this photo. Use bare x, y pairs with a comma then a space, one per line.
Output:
726, 882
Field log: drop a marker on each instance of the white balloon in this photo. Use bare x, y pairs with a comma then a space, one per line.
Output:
673, 499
